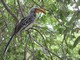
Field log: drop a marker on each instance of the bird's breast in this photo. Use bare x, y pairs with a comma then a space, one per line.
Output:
29, 26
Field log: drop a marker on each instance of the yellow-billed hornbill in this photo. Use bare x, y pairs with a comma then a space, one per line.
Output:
25, 23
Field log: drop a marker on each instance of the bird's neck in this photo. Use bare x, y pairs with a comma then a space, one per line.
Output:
33, 14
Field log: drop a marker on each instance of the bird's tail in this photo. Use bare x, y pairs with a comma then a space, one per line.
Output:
7, 46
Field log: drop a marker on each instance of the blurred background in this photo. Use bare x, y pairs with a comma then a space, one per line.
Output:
56, 36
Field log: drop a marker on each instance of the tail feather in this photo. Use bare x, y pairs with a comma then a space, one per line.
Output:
16, 30
7, 46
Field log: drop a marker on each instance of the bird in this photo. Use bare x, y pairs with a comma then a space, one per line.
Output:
25, 23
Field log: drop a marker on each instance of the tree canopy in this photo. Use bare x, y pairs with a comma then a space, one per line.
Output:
55, 36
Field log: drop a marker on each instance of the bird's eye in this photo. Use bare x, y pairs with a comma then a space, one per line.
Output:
35, 9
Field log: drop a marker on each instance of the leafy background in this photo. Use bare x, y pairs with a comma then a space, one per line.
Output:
55, 37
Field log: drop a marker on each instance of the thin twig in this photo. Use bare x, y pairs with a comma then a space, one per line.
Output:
26, 49
6, 24
21, 10
46, 48
43, 40
63, 41
36, 3
33, 53
42, 3
9, 10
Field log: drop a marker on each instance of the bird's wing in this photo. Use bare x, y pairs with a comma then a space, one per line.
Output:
16, 30
25, 22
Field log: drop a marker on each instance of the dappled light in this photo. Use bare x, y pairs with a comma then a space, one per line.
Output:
39, 29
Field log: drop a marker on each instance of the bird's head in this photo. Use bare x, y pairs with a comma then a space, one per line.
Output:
37, 10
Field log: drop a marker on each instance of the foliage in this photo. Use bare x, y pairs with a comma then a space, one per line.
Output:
55, 37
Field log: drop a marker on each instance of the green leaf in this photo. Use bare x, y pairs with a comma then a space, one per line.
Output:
76, 42
1, 23
79, 51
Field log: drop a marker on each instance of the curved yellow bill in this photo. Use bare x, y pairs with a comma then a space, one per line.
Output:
40, 10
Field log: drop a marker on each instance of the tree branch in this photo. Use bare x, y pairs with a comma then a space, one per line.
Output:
45, 47
36, 3
43, 40
9, 10
21, 10
42, 3
33, 52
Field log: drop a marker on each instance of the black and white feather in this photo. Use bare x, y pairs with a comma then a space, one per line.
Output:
25, 23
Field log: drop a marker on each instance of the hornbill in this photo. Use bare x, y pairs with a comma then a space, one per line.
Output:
25, 23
